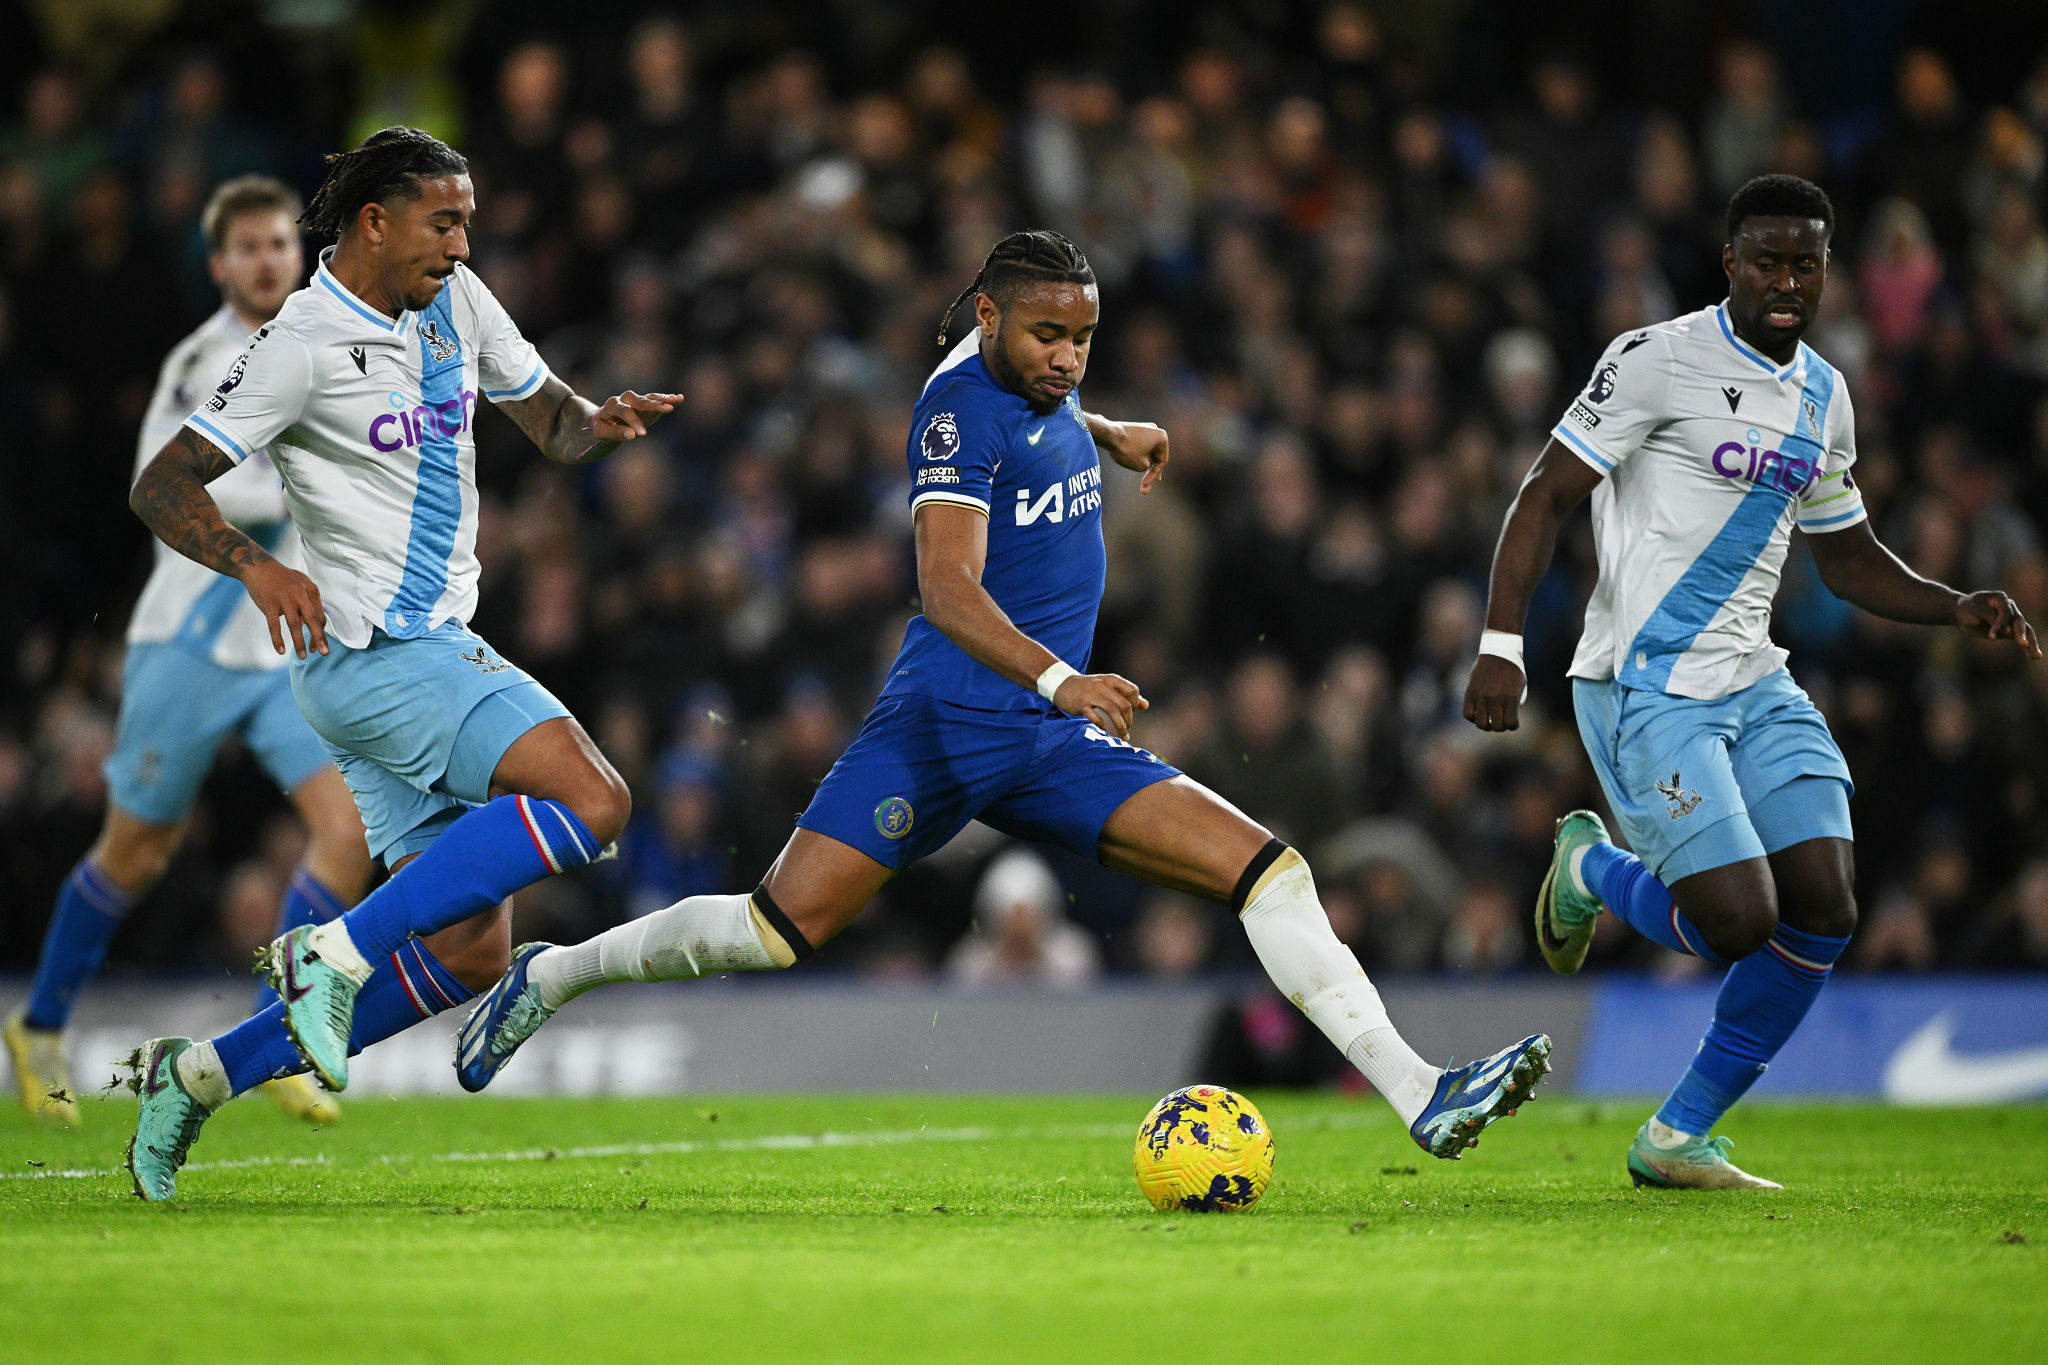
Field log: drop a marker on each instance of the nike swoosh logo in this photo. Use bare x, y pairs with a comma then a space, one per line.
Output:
292, 989
1927, 1070
152, 1086
1032, 439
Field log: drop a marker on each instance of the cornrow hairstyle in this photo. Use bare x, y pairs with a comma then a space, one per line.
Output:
1020, 259
245, 194
389, 164
1776, 196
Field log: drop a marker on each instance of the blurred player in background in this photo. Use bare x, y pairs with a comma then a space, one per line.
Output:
472, 780
988, 715
1703, 441
199, 668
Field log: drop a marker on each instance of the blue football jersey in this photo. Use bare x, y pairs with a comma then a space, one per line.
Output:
1039, 482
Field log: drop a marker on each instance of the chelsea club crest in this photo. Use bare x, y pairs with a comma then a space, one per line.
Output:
893, 818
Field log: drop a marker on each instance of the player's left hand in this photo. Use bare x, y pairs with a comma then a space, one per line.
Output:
1994, 616
1141, 446
626, 416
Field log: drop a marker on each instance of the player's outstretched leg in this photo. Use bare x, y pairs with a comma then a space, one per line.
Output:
182, 1083
697, 937
481, 858
1178, 834
1445, 1109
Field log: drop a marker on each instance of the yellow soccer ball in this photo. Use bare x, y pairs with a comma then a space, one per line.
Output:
1204, 1149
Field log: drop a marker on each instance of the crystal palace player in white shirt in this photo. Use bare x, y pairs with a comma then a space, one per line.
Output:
1702, 441
472, 780
199, 668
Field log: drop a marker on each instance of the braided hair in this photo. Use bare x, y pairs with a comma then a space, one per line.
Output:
388, 164
1020, 259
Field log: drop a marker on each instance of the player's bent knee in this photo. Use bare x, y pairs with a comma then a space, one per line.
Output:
1831, 915
1738, 933
604, 805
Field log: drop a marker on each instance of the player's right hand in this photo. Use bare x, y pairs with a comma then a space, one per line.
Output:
1105, 698
285, 595
1493, 698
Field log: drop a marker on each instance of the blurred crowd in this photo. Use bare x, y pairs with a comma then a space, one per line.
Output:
1355, 295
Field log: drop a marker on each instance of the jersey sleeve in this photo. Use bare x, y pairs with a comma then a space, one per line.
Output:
508, 367
263, 392
1628, 395
956, 441
1834, 502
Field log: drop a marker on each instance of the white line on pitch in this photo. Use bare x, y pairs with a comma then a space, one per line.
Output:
774, 1142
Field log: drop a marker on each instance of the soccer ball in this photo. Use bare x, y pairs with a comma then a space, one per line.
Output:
1204, 1150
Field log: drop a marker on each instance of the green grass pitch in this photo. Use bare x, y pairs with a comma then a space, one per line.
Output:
918, 1228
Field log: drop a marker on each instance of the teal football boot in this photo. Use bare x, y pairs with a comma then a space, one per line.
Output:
1565, 915
319, 1000
1698, 1163
168, 1124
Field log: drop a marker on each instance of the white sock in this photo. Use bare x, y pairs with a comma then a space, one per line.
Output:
1312, 967
202, 1075
1576, 866
701, 936
1664, 1135
339, 951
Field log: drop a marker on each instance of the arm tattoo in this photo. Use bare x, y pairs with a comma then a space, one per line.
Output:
172, 500
559, 422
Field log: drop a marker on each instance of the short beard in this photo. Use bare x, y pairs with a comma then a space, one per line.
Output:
1007, 374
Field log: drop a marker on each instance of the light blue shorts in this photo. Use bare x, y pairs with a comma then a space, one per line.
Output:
418, 726
177, 706
1701, 784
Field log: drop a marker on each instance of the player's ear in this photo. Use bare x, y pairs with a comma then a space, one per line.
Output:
1728, 259
216, 268
371, 221
987, 314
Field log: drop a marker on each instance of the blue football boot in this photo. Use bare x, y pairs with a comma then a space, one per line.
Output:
501, 1021
1470, 1097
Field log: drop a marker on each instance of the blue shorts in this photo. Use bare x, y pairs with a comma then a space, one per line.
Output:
921, 768
1701, 784
417, 727
176, 708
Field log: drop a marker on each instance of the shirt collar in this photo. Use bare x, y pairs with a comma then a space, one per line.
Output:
324, 278
1751, 353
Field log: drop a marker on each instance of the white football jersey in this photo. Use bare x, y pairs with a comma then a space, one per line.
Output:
188, 602
368, 419
1711, 452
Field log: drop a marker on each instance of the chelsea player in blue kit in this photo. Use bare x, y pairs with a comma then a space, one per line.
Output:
989, 713
1702, 441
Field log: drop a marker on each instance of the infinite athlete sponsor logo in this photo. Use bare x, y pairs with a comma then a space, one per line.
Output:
410, 425
1081, 493
1753, 464
941, 439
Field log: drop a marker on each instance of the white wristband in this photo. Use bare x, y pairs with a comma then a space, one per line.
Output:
1058, 672
1502, 645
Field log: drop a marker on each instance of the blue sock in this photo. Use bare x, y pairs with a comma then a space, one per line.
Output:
408, 986
89, 909
1640, 901
306, 901
1761, 1002
493, 851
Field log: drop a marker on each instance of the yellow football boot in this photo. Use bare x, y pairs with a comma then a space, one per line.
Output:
302, 1098
41, 1072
